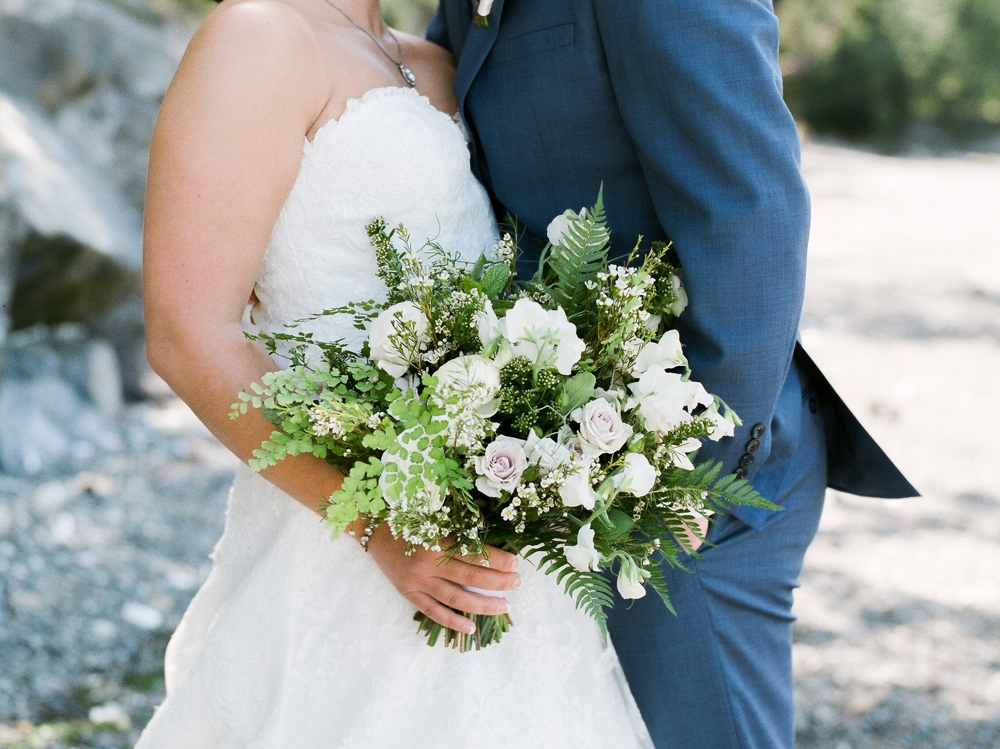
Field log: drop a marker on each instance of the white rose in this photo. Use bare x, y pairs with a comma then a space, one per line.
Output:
546, 453
638, 476
485, 6
576, 490
667, 353
474, 377
583, 556
601, 427
630, 581
682, 298
544, 336
383, 337
501, 467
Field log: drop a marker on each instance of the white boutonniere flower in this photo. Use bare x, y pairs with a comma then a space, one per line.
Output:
483, 13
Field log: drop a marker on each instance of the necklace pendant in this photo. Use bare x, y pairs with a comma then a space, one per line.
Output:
411, 80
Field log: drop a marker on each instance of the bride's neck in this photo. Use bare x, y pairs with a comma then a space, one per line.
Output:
366, 13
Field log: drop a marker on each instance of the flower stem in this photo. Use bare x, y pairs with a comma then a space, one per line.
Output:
489, 629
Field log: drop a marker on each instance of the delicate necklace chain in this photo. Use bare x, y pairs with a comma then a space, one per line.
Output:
411, 80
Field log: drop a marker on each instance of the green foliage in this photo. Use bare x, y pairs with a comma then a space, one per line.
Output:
590, 591
565, 269
875, 68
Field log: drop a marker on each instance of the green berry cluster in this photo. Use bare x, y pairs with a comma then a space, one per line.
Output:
524, 392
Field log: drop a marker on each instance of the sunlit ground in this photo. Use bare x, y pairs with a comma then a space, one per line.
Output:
898, 641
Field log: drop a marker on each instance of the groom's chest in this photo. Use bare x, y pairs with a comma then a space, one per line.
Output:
536, 91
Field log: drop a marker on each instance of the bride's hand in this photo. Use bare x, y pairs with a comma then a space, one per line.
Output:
433, 584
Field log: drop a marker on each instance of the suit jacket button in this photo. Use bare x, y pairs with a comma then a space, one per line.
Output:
746, 460
741, 472
813, 405
753, 445
758, 431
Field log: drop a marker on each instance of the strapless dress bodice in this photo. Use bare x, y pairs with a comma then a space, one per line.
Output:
390, 155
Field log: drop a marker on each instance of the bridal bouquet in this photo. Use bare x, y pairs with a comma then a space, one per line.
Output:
554, 417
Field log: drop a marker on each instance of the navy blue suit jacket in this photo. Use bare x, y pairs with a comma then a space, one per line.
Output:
676, 107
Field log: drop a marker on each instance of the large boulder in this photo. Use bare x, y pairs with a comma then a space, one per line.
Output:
99, 69
70, 243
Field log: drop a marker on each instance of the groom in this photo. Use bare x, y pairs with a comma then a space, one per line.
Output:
675, 106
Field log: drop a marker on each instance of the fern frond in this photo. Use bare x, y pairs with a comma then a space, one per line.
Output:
578, 259
590, 591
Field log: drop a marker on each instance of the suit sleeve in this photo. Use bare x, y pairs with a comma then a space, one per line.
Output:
698, 87
437, 31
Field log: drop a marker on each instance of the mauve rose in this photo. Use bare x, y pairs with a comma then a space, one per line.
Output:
601, 427
501, 466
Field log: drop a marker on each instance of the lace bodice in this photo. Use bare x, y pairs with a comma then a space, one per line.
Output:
391, 154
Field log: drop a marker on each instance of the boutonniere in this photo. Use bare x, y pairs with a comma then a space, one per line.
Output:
483, 13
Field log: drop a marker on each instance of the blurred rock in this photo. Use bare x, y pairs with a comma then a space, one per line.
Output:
59, 395
73, 243
99, 68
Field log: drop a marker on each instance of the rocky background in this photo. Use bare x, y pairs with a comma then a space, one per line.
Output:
112, 494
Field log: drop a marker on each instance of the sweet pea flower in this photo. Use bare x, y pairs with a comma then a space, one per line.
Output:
576, 490
601, 428
724, 426
682, 298
501, 467
637, 476
631, 580
558, 228
664, 398
583, 556
544, 336
666, 353
678, 454
546, 453
382, 337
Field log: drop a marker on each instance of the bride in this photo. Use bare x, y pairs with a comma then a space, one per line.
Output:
289, 126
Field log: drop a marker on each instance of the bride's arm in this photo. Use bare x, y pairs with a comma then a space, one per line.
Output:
224, 157
225, 154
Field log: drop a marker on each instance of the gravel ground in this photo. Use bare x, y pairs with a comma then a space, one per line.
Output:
898, 640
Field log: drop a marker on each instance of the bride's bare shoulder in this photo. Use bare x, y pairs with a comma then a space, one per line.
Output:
241, 30
260, 54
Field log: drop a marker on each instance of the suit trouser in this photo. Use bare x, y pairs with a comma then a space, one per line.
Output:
719, 674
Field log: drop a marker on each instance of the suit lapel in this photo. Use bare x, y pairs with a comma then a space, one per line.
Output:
458, 18
477, 45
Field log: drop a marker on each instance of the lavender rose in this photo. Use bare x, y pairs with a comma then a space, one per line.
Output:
500, 468
601, 428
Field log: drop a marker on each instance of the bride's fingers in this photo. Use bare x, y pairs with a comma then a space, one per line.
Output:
440, 613
453, 596
494, 559
478, 577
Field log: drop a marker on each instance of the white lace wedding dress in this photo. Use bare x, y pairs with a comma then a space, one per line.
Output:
296, 640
